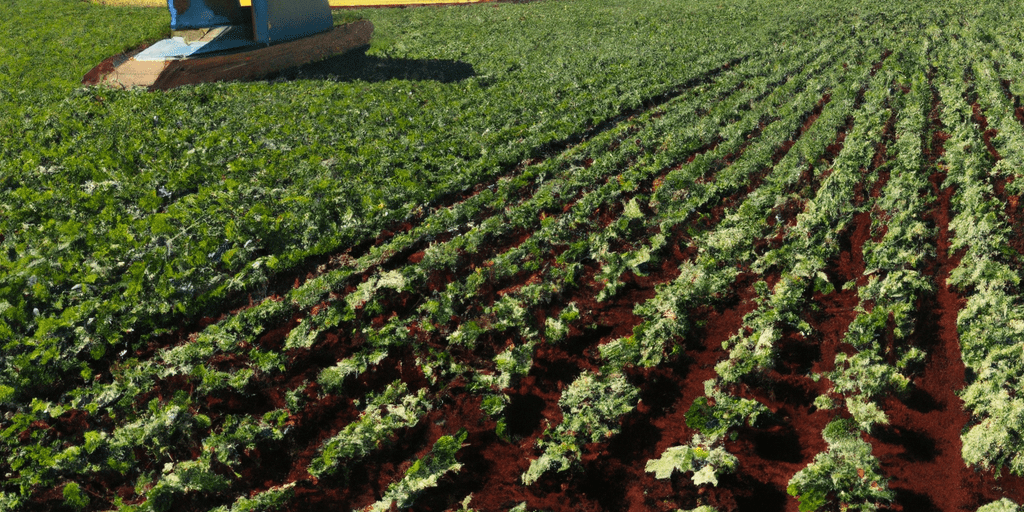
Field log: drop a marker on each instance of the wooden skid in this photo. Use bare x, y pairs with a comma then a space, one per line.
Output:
252, 64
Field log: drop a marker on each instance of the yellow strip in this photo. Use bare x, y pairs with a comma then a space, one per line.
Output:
334, 3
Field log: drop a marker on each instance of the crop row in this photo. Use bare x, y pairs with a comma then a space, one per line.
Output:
882, 362
799, 263
989, 324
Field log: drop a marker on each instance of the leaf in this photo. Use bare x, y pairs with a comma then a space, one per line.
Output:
675, 458
706, 475
631, 210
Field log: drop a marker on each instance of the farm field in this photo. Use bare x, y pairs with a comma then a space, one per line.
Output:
586, 255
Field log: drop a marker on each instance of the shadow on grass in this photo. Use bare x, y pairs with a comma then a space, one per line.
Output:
357, 65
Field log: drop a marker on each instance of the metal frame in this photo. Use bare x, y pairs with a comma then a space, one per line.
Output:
272, 21
282, 20
192, 14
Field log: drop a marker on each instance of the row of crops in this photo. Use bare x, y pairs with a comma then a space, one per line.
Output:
713, 256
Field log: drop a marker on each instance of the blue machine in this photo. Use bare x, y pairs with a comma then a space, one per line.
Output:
272, 21
275, 21
191, 14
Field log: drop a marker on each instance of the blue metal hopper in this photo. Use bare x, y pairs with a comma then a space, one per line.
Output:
275, 21
272, 21
192, 14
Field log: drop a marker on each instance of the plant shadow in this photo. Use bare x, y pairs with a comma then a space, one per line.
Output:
357, 65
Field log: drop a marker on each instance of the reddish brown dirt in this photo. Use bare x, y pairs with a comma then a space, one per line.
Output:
987, 134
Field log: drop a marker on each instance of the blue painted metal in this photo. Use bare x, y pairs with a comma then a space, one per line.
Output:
190, 14
273, 21
281, 20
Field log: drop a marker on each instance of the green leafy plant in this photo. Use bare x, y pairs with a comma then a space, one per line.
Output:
271, 499
706, 462
239, 435
845, 475
74, 497
423, 474
717, 413
1003, 505
557, 328
179, 479
393, 409
591, 408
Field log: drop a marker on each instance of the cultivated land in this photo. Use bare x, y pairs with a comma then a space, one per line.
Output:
587, 255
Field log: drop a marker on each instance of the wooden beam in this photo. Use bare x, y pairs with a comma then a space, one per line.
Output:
249, 64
